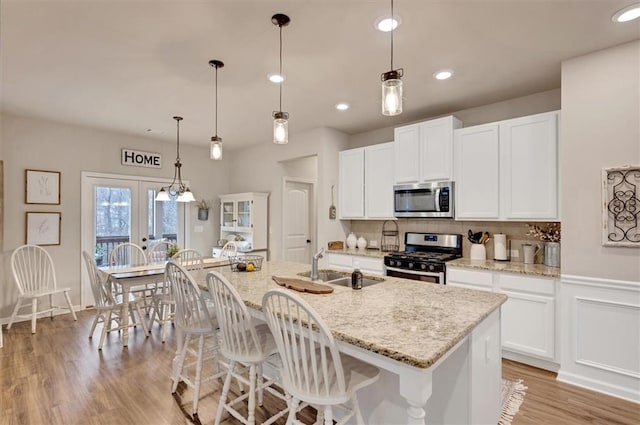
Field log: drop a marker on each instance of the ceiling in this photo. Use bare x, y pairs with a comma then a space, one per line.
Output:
129, 66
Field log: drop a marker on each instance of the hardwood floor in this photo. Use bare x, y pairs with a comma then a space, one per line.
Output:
58, 376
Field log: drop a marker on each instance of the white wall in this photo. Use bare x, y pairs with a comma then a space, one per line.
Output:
527, 105
600, 127
261, 169
37, 144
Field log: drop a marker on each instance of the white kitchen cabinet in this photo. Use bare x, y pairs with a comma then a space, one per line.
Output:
245, 214
366, 182
477, 187
529, 147
528, 316
528, 325
424, 151
378, 180
470, 279
351, 186
508, 170
368, 265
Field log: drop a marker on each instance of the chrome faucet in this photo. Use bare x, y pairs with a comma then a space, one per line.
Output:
314, 264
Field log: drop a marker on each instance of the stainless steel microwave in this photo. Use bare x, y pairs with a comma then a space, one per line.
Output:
426, 200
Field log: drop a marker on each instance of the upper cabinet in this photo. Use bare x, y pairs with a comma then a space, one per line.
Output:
477, 159
424, 151
508, 170
366, 182
245, 213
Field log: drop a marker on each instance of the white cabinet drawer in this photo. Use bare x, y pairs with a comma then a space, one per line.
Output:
369, 265
470, 278
522, 283
339, 260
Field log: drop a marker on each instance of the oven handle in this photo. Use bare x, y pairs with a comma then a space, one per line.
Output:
420, 273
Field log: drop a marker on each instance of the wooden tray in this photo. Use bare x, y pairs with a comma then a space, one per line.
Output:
302, 285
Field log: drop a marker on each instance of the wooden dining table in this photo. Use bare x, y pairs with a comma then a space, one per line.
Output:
128, 276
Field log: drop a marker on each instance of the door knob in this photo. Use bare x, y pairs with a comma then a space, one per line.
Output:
308, 240
144, 239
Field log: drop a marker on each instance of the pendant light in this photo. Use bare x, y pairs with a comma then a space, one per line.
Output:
216, 142
177, 189
392, 85
280, 119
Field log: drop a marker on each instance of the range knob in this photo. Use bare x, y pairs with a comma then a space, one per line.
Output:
410, 265
423, 266
431, 267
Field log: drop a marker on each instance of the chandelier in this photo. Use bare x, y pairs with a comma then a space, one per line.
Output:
177, 189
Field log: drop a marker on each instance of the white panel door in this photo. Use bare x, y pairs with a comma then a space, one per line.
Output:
379, 177
296, 223
436, 148
407, 153
351, 184
477, 169
530, 172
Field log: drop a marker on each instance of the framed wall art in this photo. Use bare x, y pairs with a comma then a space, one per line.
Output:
42, 187
43, 228
621, 206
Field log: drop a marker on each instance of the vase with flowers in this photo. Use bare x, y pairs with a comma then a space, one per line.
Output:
549, 234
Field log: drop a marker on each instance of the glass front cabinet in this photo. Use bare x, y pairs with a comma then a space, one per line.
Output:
243, 217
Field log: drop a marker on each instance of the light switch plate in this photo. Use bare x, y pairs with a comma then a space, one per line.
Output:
198, 229
515, 253
373, 243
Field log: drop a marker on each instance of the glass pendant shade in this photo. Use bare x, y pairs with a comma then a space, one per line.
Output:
163, 196
280, 128
186, 196
216, 148
392, 96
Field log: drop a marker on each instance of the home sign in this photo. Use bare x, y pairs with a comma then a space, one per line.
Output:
141, 159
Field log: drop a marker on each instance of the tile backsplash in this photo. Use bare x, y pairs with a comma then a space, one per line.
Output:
516, 232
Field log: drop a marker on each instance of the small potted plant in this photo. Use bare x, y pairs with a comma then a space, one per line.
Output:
203, 210
99, 254
549, 234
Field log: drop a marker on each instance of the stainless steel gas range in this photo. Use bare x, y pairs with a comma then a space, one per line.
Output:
425, 256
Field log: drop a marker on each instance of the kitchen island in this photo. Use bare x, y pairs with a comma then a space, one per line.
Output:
438, 348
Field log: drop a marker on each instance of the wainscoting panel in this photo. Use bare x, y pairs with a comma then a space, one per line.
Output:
600, 326
600, 333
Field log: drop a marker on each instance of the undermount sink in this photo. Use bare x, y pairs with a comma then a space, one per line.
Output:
341, 278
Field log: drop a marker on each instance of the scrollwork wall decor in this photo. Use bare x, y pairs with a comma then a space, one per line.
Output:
621, 206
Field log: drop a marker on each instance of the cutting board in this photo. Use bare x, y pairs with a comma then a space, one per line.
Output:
302, 285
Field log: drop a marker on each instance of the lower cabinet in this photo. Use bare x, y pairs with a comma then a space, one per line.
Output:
370, 265
528, 323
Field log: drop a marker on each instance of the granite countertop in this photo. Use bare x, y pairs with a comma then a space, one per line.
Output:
406, 320
507, 266
376, 253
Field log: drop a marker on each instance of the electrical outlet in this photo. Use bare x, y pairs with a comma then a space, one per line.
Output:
515, 253
198, 229
373, 243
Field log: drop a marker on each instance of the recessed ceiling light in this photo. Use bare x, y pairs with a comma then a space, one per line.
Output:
342, 106
627, 14
386, 24
443, 74
276, 78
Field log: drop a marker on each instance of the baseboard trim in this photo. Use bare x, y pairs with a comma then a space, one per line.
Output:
598, 386
531, 361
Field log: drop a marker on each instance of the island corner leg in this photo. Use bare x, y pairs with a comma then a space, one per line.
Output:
416, 389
